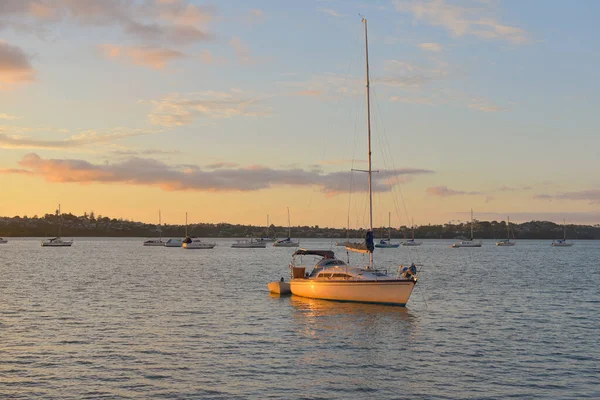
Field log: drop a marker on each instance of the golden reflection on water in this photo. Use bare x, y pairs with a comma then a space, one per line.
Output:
327, 316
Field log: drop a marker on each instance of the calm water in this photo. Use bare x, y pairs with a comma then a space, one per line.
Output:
109, 318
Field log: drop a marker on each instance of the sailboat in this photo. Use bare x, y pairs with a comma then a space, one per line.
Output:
2, 241
470, 242
333, 279
287, 242
156, 242
506, 242
194, 243
387, 244
562, 242
412, 242
57, 241
267, 238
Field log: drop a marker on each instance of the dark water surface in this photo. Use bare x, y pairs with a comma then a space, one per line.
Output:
109, 318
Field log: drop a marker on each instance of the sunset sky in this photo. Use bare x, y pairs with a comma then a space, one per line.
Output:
232, 110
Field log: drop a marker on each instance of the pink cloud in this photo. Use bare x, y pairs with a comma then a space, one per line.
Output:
151, 172
444, 191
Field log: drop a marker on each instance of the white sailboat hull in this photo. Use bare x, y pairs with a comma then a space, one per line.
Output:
154, 243
564, 244
249, 245
395, 292
505, 244
405, 244
198, 245
2, 241
57, 243
467, 244
286, 244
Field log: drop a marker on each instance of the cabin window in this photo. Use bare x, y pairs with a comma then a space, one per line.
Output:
324, 275
340, 276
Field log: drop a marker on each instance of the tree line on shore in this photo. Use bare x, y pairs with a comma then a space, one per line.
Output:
95, 226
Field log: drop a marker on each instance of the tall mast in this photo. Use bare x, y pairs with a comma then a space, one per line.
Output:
508, 228
413, 229
389, 226
267, 225
186, 224
370, 172
159, 225
59, 222
564, 229
471, 224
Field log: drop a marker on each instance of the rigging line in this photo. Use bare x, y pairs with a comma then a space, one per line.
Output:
392, 162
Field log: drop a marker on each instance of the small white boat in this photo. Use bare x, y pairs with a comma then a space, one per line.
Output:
159, 241
562, 242
248, 244
470, 242
506, 242
194, 243
287, 242
267, 238
387, 243
154, 242
279, 287
174, 243
412, 242
57, 241
2, 241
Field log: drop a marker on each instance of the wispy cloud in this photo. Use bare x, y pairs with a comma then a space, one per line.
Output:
182, 109
484, 105
9, 140
152, 57
407, 75
444, 191
15, 65
158, 28
331, 12
241, 51
6, 116
151, 172
591, 195
477, 20
435, 47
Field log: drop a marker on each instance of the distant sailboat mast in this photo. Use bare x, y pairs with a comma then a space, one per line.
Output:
59, 222
471, 224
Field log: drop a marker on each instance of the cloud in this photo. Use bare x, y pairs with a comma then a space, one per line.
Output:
151, 172
435, 47
591, 195
154, 23
222, 164
406, 75
15, 65
331, 12
484, 105
477, 20
6, 116
182, 109
83, 138
241, 51
155, 58
444, 191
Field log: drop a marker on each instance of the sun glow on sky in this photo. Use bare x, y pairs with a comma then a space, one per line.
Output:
232, 111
